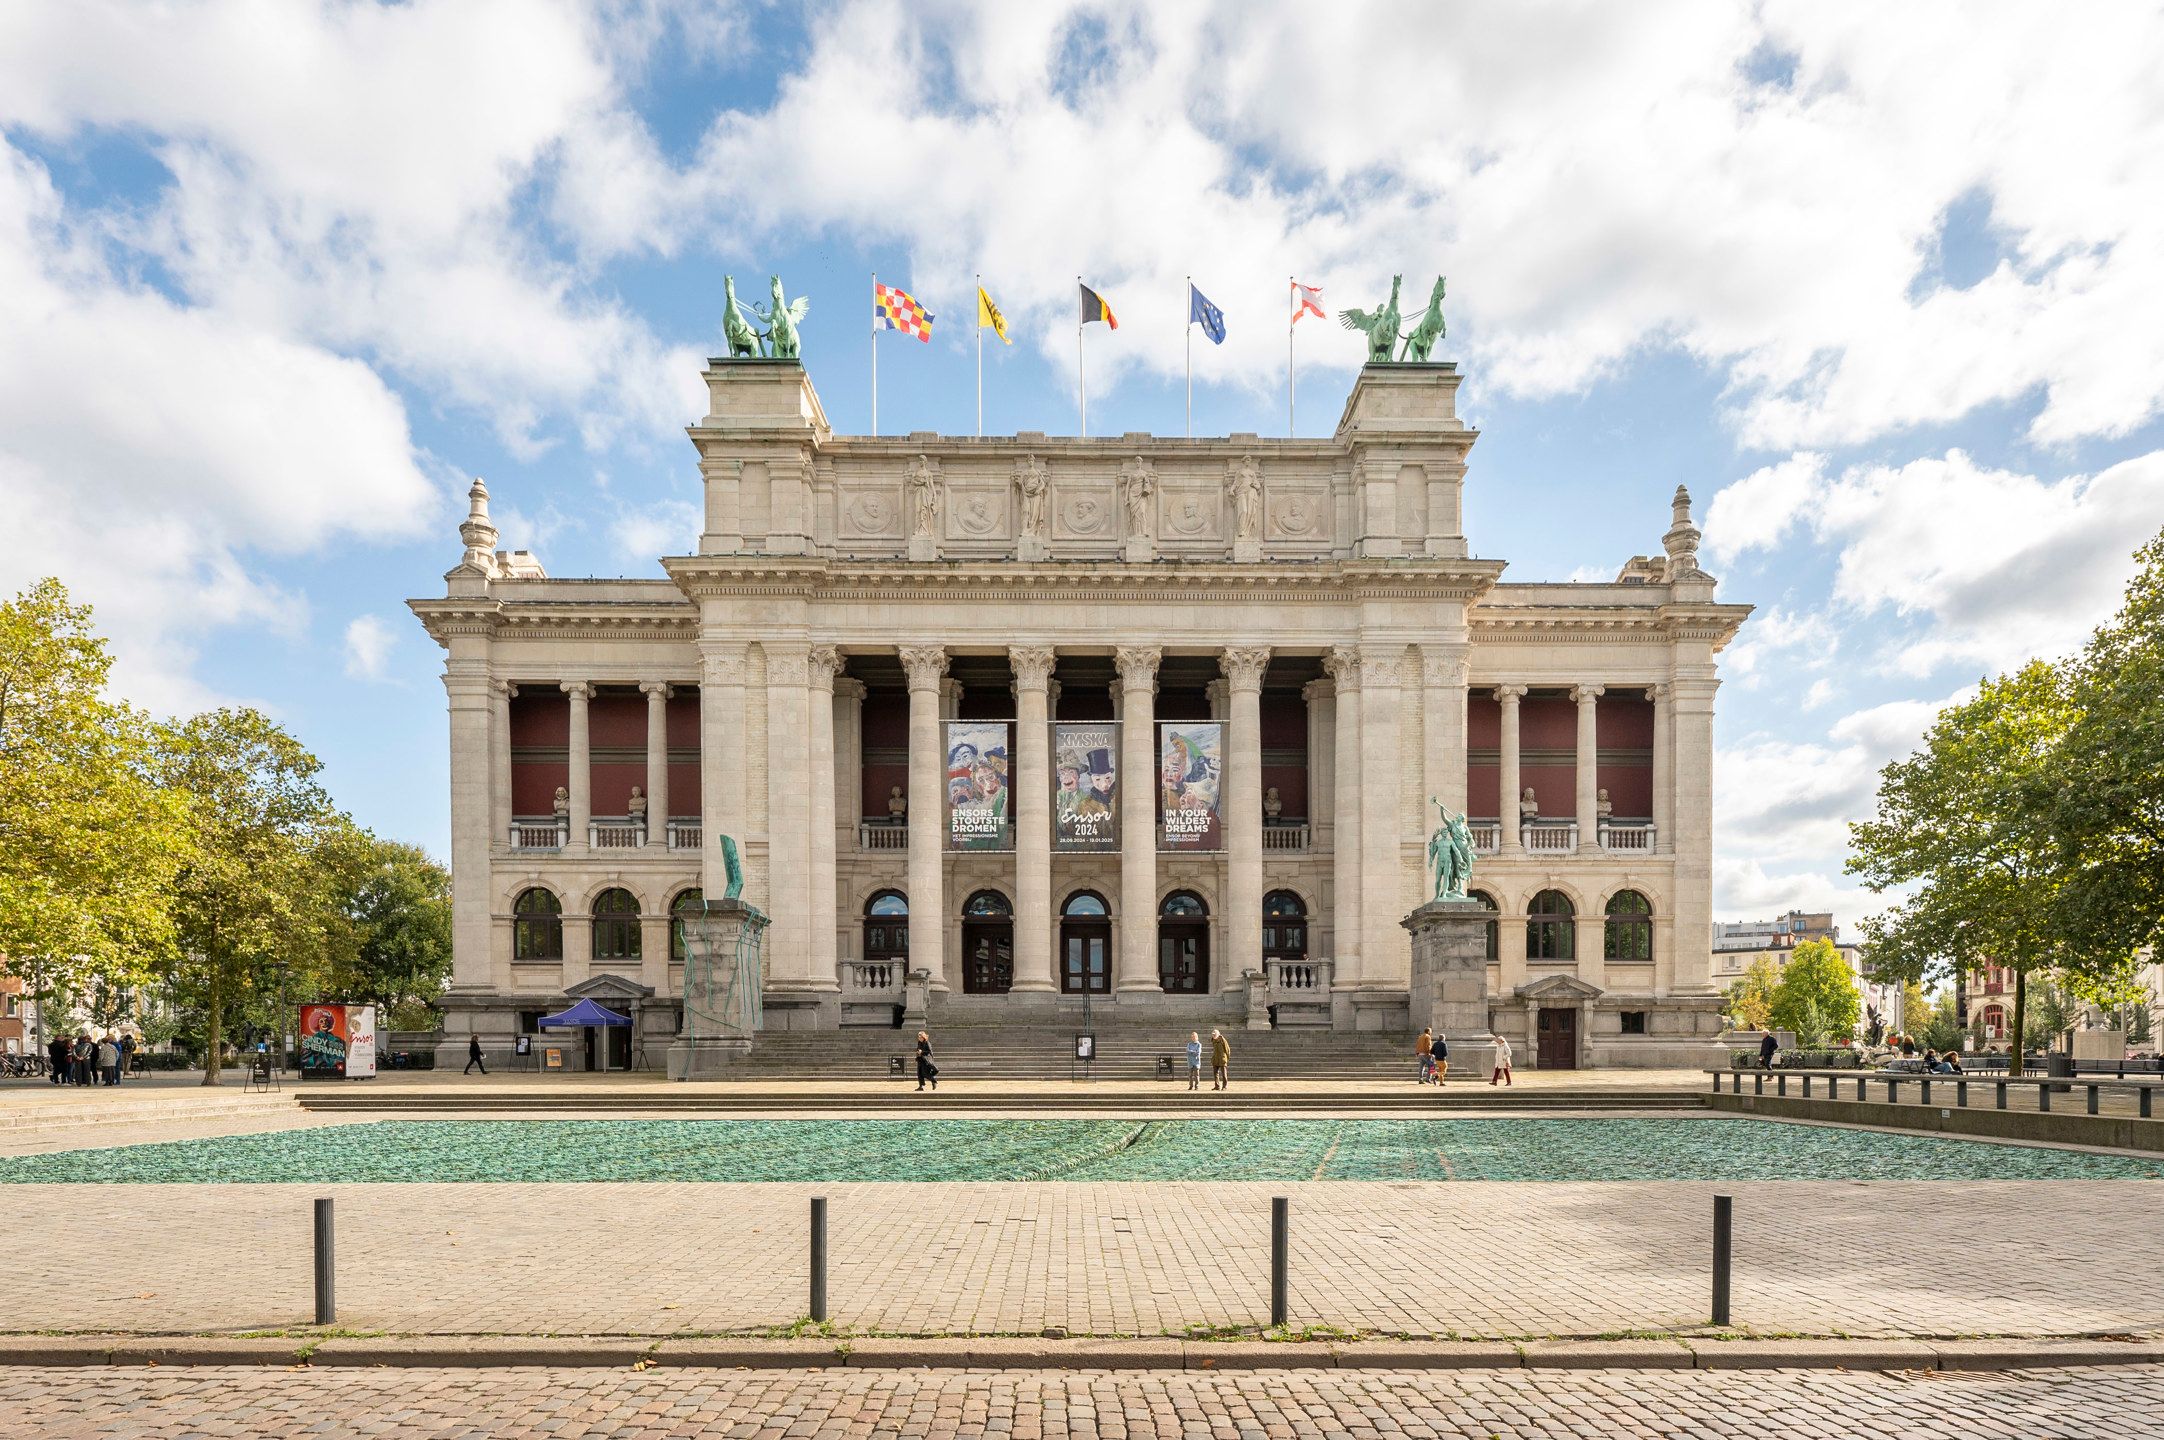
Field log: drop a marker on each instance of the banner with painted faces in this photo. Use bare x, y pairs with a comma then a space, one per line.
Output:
980, 808
1190, 769
1085, 785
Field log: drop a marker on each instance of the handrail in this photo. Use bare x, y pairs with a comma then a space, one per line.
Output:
2046, 1085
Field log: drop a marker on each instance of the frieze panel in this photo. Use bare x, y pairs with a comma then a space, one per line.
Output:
1084, 510
871, 513
1298, 515
1191, 515
977, 513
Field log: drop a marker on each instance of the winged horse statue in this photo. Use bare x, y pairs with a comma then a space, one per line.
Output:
1381, 328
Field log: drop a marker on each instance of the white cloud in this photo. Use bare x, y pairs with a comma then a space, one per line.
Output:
643, 534
1803, 639
1756, 511
368, 647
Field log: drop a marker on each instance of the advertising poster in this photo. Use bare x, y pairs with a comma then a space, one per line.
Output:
323, 1042
360, 1042
1085, 786
979, 816
1189, 768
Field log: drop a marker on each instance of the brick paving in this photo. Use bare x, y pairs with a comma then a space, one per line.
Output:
1027, 1405
1500, 1259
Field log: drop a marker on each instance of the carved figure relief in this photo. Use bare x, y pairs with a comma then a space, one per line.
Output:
871, 513
1086, 514
1297, 515
1033, 484
1243, 483
976, 514
1138, 483
1189, 515
924, 490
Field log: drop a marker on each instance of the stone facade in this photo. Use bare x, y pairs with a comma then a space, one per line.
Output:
1317, 597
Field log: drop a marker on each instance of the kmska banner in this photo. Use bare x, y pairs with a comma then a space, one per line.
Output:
1085, 786
338, 1042
978, 814
1189, 769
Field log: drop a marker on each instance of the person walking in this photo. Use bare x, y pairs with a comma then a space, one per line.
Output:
1502, 1062
473, 1056
1220, 1061
1439, 1054
1424, 1056
1194, 1060
127, 1052
1767, 1045
109, 1060
927, 1072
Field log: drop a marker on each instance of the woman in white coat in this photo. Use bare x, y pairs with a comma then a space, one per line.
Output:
1502, 1062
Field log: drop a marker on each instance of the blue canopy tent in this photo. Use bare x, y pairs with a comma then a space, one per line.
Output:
583, 1014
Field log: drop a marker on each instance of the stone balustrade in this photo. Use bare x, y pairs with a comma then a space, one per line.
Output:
1285, 837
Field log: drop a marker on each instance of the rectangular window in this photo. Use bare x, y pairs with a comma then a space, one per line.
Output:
1634, 1022
529, 1021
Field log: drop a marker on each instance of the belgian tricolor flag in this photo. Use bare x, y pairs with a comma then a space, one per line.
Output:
1094, 308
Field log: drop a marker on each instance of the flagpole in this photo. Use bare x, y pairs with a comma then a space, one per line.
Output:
875, 352
1292, 373
1190, 357
980, 357
1082, 384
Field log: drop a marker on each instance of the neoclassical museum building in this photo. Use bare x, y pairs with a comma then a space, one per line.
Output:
1001, 726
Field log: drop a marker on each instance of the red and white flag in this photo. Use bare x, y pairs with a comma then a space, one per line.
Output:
1307, 300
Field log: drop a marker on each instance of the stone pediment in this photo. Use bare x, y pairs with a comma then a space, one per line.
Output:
605, 988
1558, 989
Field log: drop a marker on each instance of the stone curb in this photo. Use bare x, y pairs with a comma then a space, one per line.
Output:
1018, 1353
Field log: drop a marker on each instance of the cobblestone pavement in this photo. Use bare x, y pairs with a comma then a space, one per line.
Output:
1509, 1405
1499, 1259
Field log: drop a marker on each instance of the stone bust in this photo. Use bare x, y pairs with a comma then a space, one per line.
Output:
635, 807
563, 803
897, 803
1604, 805
1528, 807
1272, 804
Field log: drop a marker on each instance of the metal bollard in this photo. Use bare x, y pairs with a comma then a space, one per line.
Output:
1723, 1210
326, 1264
1280, 1245
819, 1258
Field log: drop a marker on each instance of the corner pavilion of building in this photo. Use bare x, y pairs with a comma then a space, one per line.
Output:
879, 639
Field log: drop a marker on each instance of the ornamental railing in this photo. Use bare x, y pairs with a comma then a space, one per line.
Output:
1549, 837
542, 833
617, 832
685, 834
1284, 837
1626, 837
871, 977
871, 835
1487, 836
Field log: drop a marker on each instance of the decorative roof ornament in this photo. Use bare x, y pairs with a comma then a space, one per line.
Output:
1420, 340
1381, 328
478, 531
1681, 541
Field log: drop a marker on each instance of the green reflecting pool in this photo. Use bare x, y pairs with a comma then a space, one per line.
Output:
926, 1150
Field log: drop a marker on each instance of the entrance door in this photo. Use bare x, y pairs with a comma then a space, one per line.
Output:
987, 944
1558, 1039
1085, 943
1183, 944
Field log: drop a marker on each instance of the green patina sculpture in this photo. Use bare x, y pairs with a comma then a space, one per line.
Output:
743, 339
1450, 855
734, 868
1381, 328
781, 321
1420, 340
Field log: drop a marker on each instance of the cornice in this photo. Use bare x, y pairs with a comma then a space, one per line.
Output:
715, 576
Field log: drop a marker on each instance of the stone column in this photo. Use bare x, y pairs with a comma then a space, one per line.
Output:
1383, 943
1321, 697
1664, 771
791, 908
1242, 925
926, 666
1343, 663
1508, 697
849, 747
1137, 968
824, 959
1443, 680
1032, 665
582, 764
657, 764
466, 682
1585, 768
722, 672
501, 694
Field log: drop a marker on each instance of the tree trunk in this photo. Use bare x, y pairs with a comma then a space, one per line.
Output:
214, 1032
2021, 1019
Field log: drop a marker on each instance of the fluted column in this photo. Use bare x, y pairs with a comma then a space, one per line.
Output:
1242, 789
926, 666
1664, 771
1508, 696
1442, 702
722, 670
826, 661
1343, 663
1138, 818
1586, 768
1385, 949
790, 905
501, 694
1032, 665
582, 764
657, 764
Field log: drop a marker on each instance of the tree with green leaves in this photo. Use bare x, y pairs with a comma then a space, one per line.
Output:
1940, 1028
393, 927
1750, 998
1818, 990
1965, 821
254, 898
89, 838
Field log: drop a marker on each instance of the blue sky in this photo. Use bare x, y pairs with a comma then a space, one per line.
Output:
277, 278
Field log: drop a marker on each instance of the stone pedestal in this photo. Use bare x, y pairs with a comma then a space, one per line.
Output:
719, 1018
1139, 549
1258, 1000
916, 997
1031, 548
1449, 992
923, 547
1246, 552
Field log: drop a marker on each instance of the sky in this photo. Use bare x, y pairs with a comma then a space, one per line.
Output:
1883, 285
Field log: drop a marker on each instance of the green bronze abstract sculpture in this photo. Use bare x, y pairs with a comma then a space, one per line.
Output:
1381, 328
1450, 855
1420, 340
733, 867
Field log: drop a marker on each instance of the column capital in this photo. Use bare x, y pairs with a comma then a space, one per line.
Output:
850, 687
1382, 665
926, 665
1342, 665
1660, 692
656, 689
577, 689
826, 663
1032, 665
1315, 690
786, 664
1510, 694
1444, 665
724, 664
1243, 665
1137, 665
1587, 694
508, 689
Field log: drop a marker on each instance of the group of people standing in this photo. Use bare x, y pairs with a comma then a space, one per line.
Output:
1432, 1053
82, 1060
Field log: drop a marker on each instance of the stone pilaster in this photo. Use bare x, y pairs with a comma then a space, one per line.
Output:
473, 706
1321, 698
926, 667
788, 894
1585, 770
849, 758
722, 671
1691, 729
657, 765
1664, 770
1508, 696
1137, 968
1443, 681
826, 661
1382, 863
1343, 664
501, 694
582, 765
1242, 788
1032, 665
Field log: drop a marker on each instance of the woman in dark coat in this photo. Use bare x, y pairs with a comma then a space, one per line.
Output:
926, 1070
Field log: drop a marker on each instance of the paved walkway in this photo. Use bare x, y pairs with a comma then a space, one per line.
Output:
1498, 1259
1496, 1405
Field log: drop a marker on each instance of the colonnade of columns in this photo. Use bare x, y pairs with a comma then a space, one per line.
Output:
1586, 773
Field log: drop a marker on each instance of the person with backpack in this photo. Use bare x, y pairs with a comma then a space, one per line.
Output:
1439, 1054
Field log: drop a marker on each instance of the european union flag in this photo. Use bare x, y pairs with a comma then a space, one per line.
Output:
1209, 317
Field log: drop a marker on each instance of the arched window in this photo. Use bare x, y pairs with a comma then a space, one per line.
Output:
616, 926
1488, 900
1549, 932
537, 931
886, 927
1183, 944
1630, 927
1284, 926
1183, 903
987, 905
689, 905
1084, 902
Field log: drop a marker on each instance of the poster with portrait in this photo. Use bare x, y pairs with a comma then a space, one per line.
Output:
323, 1042
1190, 767
980, 811
360, 1042
1085, 785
